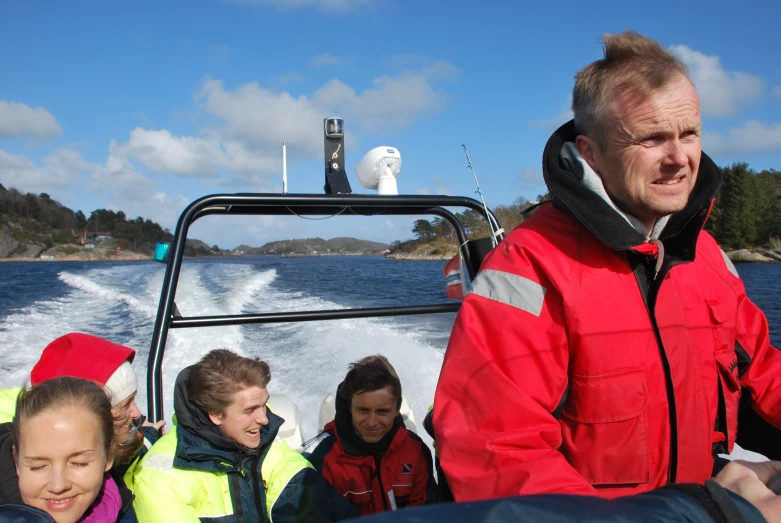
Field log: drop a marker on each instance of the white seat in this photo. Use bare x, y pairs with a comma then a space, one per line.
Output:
290, 431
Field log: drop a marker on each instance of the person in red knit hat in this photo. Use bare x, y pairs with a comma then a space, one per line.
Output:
108, 364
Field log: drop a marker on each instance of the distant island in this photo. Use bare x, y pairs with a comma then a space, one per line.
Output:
314, 247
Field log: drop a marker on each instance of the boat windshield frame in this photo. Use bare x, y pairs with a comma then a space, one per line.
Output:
168, 317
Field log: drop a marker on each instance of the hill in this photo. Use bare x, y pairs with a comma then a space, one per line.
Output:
33, 226
313, 246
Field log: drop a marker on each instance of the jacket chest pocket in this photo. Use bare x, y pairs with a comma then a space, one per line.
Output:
727, 368
401, 492
362, 500
604, 431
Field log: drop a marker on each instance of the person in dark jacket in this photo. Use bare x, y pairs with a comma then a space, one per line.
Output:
56, 454
224, 460
740, 493
607, 346
366, 452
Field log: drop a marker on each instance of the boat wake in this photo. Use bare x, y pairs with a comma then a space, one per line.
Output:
307, 359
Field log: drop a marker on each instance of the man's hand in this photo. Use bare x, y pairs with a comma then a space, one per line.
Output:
758, 483
159, 426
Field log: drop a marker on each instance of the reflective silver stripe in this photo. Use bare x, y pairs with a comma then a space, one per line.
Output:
159, 462
510, 289
730, 265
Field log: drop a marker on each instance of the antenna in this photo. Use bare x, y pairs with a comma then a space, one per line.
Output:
284, 168
485, 207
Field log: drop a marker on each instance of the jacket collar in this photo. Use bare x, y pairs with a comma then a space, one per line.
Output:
604, 220
199, 441
9, 480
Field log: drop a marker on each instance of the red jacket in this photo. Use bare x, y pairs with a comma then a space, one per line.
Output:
557, 378
405, 469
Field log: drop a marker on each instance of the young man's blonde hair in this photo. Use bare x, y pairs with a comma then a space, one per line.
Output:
632, 62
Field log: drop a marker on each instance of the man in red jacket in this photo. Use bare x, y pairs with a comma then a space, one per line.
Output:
607, 345
366, 453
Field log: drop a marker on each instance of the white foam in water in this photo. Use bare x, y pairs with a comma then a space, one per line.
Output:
308, 359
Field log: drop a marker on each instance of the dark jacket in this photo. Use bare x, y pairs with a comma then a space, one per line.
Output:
393, 473
678, 504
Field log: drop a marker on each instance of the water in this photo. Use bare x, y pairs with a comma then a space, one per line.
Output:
118, 301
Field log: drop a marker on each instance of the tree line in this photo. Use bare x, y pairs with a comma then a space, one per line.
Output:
747, 214
139, 233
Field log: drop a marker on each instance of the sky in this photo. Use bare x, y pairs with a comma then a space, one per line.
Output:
146, 106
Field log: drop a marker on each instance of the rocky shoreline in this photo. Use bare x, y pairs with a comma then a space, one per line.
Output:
98, 254
747, 256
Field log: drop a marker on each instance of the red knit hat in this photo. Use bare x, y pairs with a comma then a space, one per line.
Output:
81, 356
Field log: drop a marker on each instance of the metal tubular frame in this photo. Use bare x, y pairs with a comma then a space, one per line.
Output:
282, 205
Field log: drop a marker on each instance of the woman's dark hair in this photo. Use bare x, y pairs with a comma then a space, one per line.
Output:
370, 374
64, 392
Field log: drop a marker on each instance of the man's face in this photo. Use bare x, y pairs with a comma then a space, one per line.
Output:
124, 413
651, 155
373, 413
244, 417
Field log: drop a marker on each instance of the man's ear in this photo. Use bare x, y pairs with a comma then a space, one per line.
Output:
588, 150
216, 418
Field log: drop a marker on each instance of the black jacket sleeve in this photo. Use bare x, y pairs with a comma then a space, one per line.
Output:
692, 504
309, 498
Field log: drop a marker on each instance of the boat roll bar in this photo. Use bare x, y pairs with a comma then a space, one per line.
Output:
168, 317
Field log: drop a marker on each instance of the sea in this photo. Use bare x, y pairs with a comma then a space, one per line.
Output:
118, 300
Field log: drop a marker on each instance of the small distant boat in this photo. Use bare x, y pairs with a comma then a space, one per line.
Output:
386, 253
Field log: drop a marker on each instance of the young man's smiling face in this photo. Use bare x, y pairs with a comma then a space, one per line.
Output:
373, 413
244, 417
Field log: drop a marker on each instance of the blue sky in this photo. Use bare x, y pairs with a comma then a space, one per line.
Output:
145, 106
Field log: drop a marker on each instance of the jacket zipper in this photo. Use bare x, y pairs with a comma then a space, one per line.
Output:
654, 287
379, 479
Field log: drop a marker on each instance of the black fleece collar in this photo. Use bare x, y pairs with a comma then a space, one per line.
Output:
9, 480
351, 441
570, 195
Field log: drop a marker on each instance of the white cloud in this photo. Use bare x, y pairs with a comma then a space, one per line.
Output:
265, 118
433, 69
344, 6
752, 136
392, 103
777, 92
60, 168
289, 78
437, 187
135, 194
722, 93
160, 151
18, 119
326, 60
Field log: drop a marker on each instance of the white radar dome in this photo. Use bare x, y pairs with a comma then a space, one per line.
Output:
378, 170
